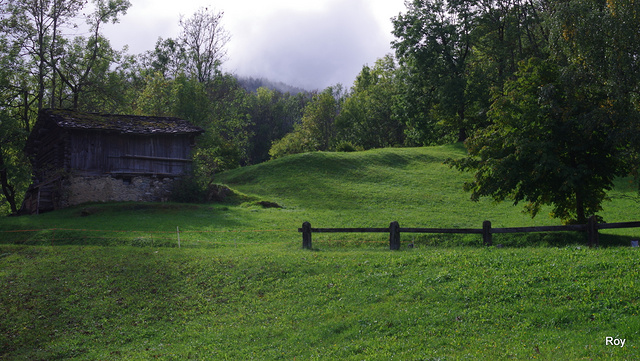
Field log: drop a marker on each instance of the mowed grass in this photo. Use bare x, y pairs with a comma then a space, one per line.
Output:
240, 287
96, 303
361, 189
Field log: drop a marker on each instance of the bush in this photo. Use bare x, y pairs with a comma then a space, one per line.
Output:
345, 146
188, 190
292, 143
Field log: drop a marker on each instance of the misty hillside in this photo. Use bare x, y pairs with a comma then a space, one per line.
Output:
252, 84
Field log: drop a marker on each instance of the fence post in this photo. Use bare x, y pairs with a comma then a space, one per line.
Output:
486, 233
306, 235
592, 231
394, 236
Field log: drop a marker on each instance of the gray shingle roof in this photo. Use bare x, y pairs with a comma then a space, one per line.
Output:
125, 124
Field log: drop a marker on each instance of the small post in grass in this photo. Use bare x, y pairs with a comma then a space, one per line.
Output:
178, 232
394, 236
306, 235
486, 233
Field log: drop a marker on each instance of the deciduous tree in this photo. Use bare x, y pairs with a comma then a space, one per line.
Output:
434, 42
87, 61
317, 129
204, 39
367, 118
273, 115
555, 139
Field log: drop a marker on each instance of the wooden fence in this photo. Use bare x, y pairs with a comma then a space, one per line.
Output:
394, 230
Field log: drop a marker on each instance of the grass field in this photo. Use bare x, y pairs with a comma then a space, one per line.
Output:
75, 286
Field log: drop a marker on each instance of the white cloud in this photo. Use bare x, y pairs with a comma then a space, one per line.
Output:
311, 44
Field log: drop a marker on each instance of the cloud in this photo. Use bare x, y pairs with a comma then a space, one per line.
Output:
309, 49
312, 44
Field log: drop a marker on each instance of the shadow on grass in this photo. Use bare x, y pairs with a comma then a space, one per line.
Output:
67, 238
558, 239
73, 300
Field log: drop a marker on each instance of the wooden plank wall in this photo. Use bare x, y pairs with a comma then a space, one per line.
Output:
111, 153
50, 154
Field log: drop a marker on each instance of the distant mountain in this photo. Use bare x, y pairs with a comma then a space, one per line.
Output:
252, 84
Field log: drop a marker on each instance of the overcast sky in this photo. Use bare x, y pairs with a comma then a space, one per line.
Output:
311, 44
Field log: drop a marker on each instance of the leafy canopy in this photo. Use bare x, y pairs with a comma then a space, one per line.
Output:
554, 140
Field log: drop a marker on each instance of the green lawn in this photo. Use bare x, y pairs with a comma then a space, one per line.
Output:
267, 303
240, 287
362, 189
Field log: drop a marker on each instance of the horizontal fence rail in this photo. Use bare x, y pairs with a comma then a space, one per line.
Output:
619, 225
394, 230
349, 230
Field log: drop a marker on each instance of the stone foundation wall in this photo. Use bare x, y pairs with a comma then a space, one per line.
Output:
80, 190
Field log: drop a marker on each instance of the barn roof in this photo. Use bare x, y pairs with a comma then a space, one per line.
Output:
125, 124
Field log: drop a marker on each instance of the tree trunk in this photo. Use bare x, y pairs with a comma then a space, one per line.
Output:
7, 189
76, 99
52, 55
25, 111
41, 70
462, 134
462, 130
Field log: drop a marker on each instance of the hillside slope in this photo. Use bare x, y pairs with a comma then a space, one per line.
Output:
411, 185
360, 189
371, 188
405, 177
237, 291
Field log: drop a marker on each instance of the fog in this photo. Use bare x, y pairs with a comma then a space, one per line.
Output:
306, 44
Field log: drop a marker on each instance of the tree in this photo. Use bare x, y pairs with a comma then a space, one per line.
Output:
168, 58
273, 115
89, 56
41, 67
367, 118
457, 55
296, 142
220, 107
317, 128
555, 139
60, 65
156, 99
435, 44
204, 39
320, 115
602, 39
114, 86
14, 170
506, 32
183, 79
198, 52
61, 11
15, 123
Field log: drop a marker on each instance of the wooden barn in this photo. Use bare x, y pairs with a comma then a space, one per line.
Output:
87, 157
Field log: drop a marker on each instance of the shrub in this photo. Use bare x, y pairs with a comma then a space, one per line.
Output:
188, 190
345, 146
292, 143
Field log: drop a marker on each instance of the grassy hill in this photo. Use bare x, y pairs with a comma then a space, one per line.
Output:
75, 286
362, 189
411, 185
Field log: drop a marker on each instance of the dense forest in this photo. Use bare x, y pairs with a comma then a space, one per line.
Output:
544, 93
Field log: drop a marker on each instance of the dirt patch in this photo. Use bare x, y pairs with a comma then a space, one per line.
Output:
218, 193
84, 212
267, 204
